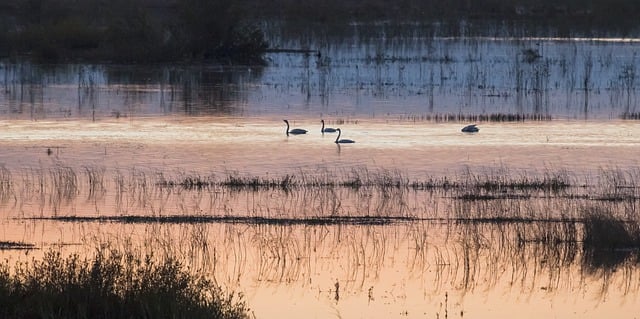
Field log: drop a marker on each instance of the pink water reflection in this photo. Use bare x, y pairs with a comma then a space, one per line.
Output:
259, 146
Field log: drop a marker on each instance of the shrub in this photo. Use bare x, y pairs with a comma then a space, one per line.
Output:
111, 285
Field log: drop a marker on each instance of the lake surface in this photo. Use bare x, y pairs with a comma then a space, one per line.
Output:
102, 144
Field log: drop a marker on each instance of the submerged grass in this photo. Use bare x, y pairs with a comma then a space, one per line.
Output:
111, 285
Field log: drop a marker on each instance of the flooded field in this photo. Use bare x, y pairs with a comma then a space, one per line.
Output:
416, 219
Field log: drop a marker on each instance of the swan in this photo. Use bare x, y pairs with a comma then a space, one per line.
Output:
470, 128
342, 141
294, 131
326, 129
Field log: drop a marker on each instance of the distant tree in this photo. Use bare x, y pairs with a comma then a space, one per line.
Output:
215, 28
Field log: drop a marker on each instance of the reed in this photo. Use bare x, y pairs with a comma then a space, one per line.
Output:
465, 118
95, 181
64, 183
630, 116
250, 220
609, 241
469, 256
497, 194
604, 231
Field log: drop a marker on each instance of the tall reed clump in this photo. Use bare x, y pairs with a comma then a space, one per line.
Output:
603, 230
111, 285
609, 241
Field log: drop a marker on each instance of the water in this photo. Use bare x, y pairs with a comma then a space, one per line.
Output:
97, 140
573, 79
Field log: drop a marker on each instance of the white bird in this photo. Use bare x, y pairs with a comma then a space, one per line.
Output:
470, 128
294, 131
326, 129
342, 141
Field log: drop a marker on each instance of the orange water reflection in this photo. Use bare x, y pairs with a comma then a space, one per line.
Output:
429, 267
411, 270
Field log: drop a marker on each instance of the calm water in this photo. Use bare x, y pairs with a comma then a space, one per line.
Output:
61, 127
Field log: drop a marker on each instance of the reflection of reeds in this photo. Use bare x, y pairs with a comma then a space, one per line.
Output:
95, 180
5, 184
494, 194
64, 185
453, 257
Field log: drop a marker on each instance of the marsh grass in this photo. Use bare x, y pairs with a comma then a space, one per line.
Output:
493, 117
355, 178
111, 284
95, 181
471, 255
13, 245
603, 230
630, 116
357, 195
251, 220
609, 241
64, 183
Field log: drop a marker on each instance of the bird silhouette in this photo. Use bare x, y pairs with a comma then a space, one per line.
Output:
344, 140
295, 131
326, 129
470, 128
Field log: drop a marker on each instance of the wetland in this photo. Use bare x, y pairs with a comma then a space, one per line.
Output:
535, 215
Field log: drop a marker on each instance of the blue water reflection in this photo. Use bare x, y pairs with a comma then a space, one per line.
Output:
412, 77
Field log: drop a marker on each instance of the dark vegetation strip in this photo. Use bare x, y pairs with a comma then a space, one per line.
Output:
630, 116
551, 182
111, 285
329, 220
230, 31
494, 117
567, 13
7, 245
252, 220
144, 31
601, 230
